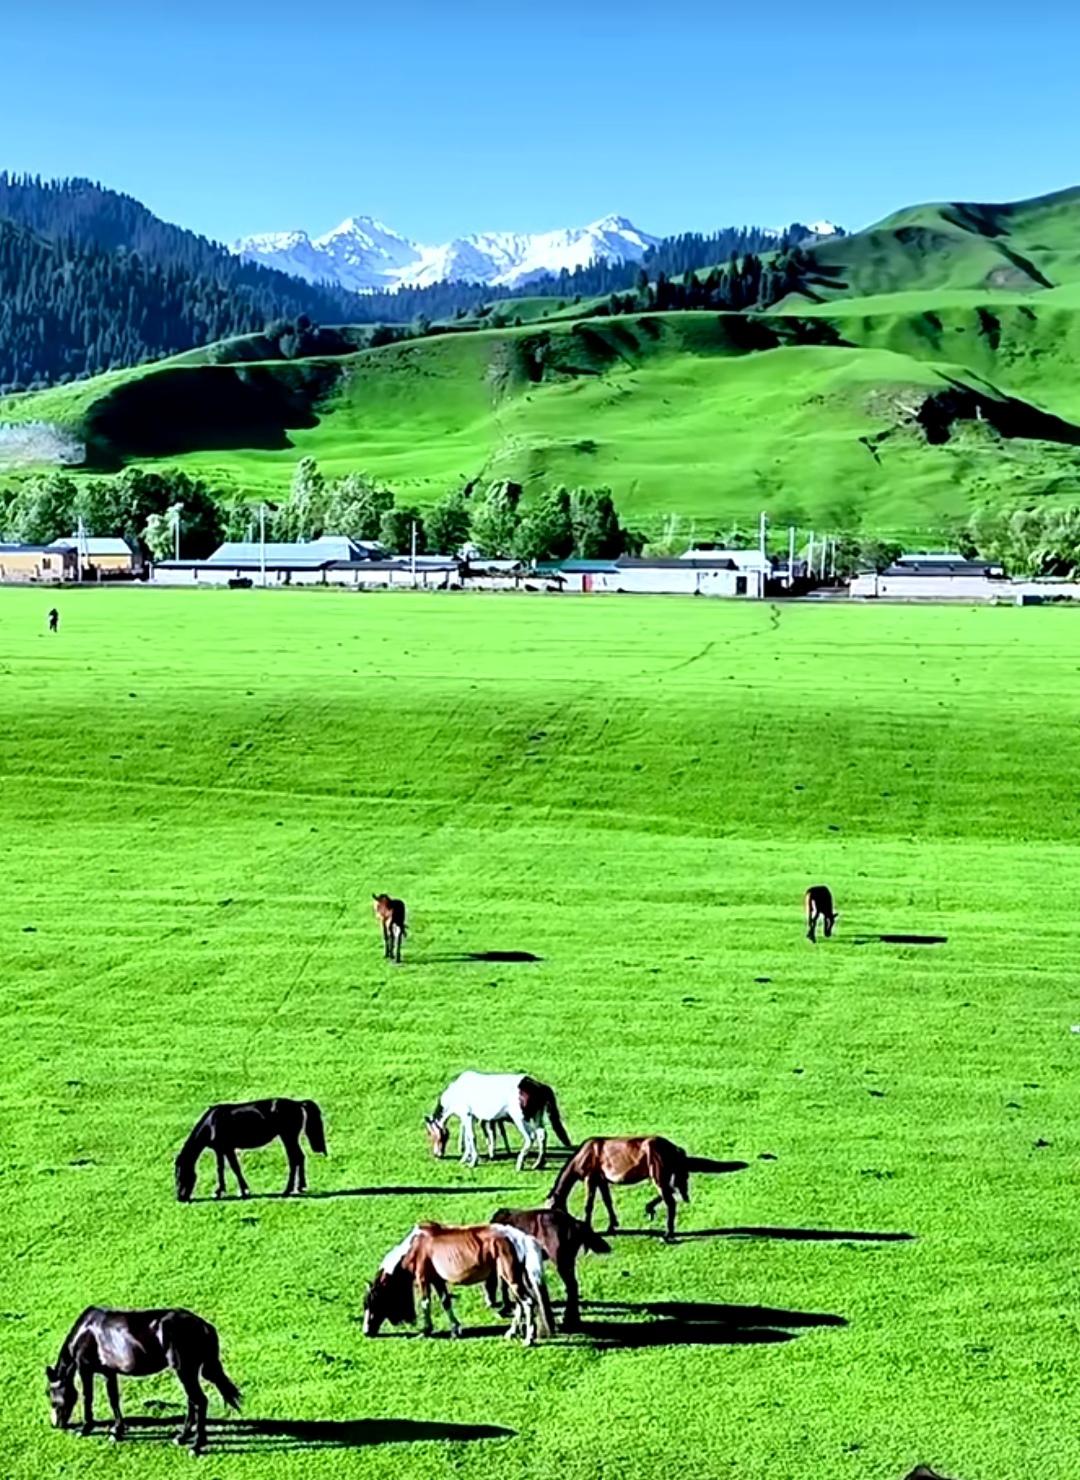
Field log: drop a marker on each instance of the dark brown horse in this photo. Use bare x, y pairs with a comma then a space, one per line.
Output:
390, 914
819, 906
562, 1237
622, 1161
138, 1343
436, 1256
226, 1129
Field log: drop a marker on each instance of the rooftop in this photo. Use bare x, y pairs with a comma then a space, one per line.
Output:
93, 545
297, 554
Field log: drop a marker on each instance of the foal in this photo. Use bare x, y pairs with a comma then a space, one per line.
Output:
819, 906
138, 1343
225, 1129
622, 1161
436, 1256
391, 916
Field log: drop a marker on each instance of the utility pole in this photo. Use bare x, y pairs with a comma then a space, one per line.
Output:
810, 558
176, 531
762, 524
262, 544
832, 559
790, 556
412, 557
80, 545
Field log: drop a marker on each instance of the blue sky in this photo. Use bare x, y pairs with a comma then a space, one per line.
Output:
448, 118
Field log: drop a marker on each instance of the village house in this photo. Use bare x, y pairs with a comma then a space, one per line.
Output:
43, 563
934, 577
101, 557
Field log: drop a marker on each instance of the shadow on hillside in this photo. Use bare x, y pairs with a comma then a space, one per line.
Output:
236, 1435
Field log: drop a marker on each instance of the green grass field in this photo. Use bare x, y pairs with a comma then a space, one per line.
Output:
200, 792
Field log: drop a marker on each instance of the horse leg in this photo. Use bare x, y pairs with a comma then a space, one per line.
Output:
671, 1206
425, 1308
590, 1199
526, 1146
398, 934
811, 927
605, 1193
566, 1268
219, 1190
541, 1145
195, 1424
86, 1377
447, 1302
234, 1162
489, 1133
295, 1155
501, 1125
651, 1206
468, 1140
112, 1387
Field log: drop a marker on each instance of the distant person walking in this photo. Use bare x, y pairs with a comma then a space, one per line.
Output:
54, 620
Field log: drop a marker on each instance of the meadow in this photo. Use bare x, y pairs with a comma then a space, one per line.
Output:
200, 791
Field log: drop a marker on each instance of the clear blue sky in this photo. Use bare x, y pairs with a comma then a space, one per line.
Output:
446, 118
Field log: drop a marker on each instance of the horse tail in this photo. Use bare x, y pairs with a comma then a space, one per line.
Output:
593, 1241
214, 1372
211, 1366
313, 1126
564, 1184
552, 1108
536, 1285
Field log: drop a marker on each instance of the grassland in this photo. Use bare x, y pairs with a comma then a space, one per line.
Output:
201, 790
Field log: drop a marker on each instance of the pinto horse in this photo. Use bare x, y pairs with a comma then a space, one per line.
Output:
819, 906
138, 1343
225, 1129
562, 1237
390, 914
606, 1160
437, 1255
493, 1099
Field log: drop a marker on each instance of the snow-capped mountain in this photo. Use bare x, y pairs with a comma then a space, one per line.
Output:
364, 255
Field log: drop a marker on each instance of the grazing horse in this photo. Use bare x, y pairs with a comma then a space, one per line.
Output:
562, 1237
436, 1256
390, 914
138, 1343
606, 1160
225, 1129
819, 906
491, 1098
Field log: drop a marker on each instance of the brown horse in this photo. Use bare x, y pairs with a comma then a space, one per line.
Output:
138, 1343
562, 1237
622, 1161
819, 906
436, 1256
390, 914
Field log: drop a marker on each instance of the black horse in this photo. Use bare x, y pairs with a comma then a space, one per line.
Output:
138, 1343
226, 1129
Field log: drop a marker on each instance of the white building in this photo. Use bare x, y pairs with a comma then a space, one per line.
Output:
936, 577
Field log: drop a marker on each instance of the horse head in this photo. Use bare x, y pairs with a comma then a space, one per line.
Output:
60, 1385
184, 1171
438, 1134
390, 1297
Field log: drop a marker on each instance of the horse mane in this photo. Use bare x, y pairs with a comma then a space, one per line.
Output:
196, 1142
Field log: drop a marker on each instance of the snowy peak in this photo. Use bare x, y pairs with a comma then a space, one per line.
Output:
365, 255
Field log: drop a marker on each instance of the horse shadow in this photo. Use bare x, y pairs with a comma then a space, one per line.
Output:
456, 1191
236, 1435
696, 1323
899, 940
495, 958
810, 1235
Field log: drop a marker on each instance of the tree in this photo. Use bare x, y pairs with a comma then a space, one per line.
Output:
396, 530
495, 520
42, 509
448, 523
546, 533
597, 533
355, 507
302, 517
159, 535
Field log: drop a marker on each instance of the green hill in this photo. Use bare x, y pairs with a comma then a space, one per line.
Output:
928, 366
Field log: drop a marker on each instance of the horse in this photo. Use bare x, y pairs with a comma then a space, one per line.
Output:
435, 1256
225, 1129
606, 1160
391, 916
54, 620
562, 1237
491, 1098
819, 906
138, 1343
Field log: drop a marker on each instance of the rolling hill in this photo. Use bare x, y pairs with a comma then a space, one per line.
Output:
923, 368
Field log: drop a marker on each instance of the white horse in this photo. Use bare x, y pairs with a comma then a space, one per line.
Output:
493, 1099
